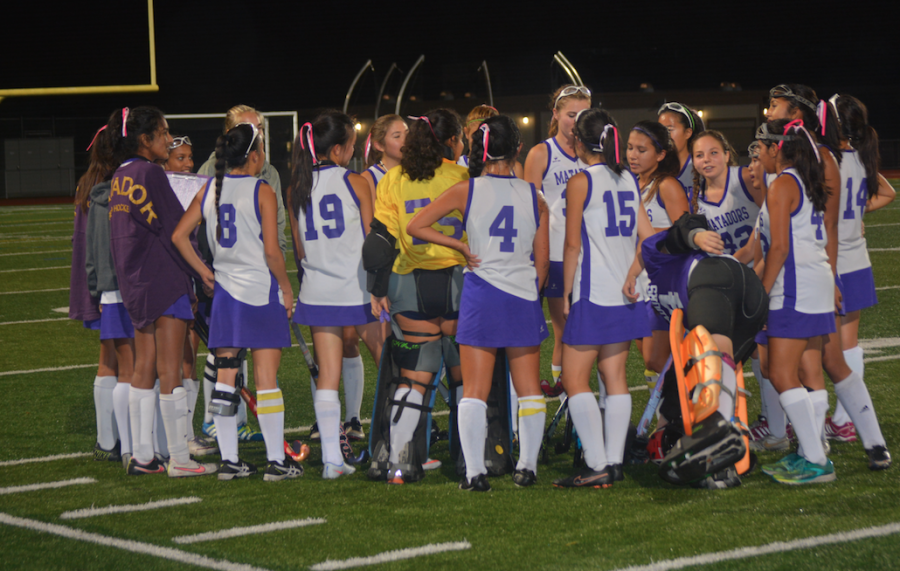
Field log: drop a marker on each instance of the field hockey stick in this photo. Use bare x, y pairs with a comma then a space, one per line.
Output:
314, 372
643, 426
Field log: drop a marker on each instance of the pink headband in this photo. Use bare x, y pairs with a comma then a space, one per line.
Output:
125, 112
797, 124
97, 134
427, 120
615, 134
368, 147
487, 131
309, 139
822, 113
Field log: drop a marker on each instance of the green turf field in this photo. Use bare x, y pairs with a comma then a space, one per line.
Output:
47, 365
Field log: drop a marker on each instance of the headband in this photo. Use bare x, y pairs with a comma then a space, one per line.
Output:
571, 90
822, 113
427, 120
603, 137
255, 130
797, 124
368, 147
125, 112
678, 108
656, 143
309, 140
487, 156
97, 134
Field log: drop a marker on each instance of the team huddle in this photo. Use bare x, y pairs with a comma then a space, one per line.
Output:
439, 261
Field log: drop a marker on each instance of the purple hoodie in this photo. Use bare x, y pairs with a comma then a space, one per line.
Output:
81, 305
143, 213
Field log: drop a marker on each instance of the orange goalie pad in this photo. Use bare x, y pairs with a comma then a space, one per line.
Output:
698, 363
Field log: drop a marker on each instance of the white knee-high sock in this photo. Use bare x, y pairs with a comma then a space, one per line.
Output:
774, 412
799, 410
854, 359
472, 432
123, 421
532, 415
402, 430
726, 400
174, 413
586, 415
353, 375
103, 406
210, 373
328, 415
819, 400
616, 418
853, 393
142, 411
193, 391
226, 428
161, 443
270, 408
513, 405
757, 373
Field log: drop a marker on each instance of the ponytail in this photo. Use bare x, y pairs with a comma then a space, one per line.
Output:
855, 126
497, 139
597, 131
311, 148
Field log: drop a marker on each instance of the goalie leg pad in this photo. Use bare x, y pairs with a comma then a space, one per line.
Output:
450, 351
417, 356
698, 367
714, 445
229, 409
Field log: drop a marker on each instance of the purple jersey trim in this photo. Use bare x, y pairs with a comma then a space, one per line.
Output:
362, 223
547, 166
465, 219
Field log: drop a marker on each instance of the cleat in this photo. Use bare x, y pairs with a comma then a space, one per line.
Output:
879, 458
551, 390
354, 429
477, 484
826, 445
431, 464
840, 432
759, 429
805, 472
198, 446
770, 443
286, 470
346, 449
727, 478
524, 478
785, 464
587, 478
333, 471
111, 455
209, 429
615, 470
240, 469
190, 468
247, 434
126, 458
154, 466
314, 431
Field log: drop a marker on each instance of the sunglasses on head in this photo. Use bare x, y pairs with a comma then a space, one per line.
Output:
178, 141
678, 108
571, 90
785, 92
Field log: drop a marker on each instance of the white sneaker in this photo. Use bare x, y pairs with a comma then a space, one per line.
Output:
202, 446
431, 464
333, 471
190, 468
769, 442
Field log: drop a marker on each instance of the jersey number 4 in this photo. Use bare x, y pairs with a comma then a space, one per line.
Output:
503, 226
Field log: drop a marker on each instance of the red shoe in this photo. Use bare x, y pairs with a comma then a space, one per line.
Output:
840, 432
551, 390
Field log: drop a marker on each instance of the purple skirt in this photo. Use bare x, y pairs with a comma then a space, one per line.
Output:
590, 324
490, 317
181, 309
333, 315
657, 322
233, 323
858, 290
554, 287
92, 324
791, 324
115, 323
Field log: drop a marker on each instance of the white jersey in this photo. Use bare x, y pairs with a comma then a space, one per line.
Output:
560, 168
686, 178
463, 161
734, 216
239, 257
853, 254
608, 236
377, 172
332, 234
501, 221
656, 209
805, 282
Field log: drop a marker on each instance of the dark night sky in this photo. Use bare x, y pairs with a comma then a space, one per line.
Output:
213, 55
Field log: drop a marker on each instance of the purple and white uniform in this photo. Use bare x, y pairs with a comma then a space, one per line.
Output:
560, 168
801, 302
600, 313
734, 215
333, 290
668, 275
659, 219
686, 178
853, 265
377, 172
499, 305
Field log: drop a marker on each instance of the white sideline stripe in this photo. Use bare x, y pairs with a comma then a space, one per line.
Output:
253, 529
44, 459
777, 547
34, 321
91, 512
879, 343
880, 225
39, 223
886, 287
127, 544
884, 249
390, 556
36, 269
45, 486
885, 358
34, 290
36, 253
47, 370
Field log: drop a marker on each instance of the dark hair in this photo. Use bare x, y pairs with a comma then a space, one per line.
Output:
232, 150
832, 136
377, 134
798, 151
102, 167
139, 121
590, 129
697, 128
669, 166
855, 127
699, 181
556, 102
329, 129
425, 146
503, 143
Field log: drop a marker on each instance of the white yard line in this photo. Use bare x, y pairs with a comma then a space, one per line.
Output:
34, 290
91, 512
127, 545
34, 321
777, 547
251, 530
40, 222
880, 225
36, 253
390, 556
45, 459
886, 287
47, 370
46, 486
884, 249
69, 267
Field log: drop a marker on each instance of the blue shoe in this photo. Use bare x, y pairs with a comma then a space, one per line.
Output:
209, 429
247, 434
785, 464
807, 473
